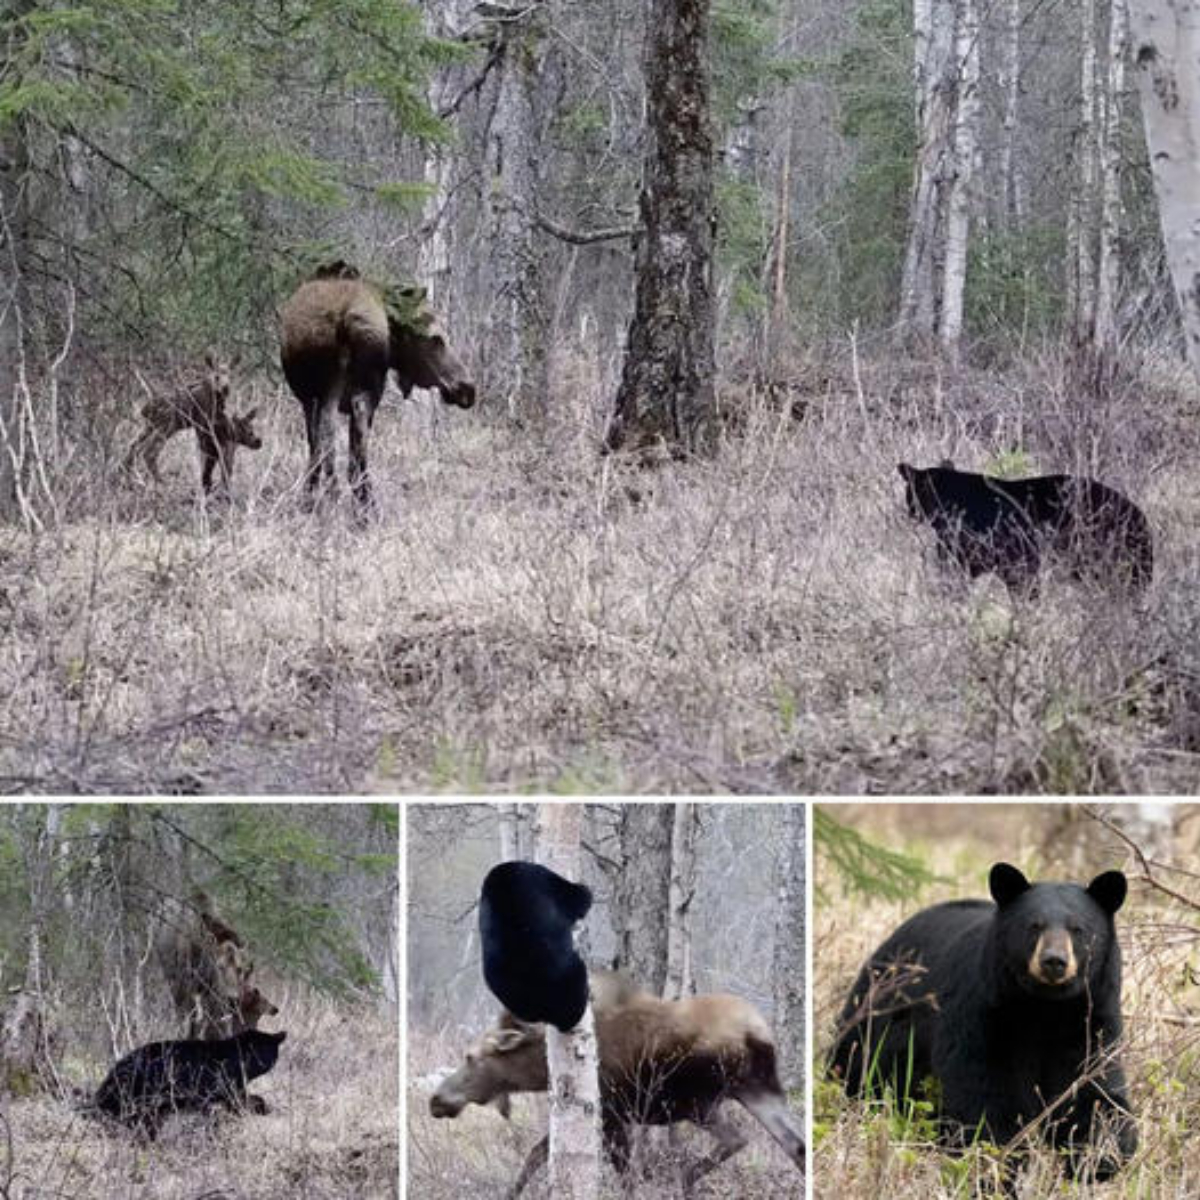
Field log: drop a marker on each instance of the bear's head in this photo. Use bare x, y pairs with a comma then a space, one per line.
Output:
258, 1051
1055, 940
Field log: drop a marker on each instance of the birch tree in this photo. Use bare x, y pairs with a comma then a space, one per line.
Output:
574, 1086
966, 148
789, 960
666, 395
1166, 53
933, 27
1104, 324
1011, 174
681, 893
1081, 231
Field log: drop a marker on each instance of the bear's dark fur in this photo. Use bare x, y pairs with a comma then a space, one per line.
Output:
1008, 526
154, 1081
1007, 1006
526, 915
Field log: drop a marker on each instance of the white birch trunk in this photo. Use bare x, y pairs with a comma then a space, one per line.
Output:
574, 1085
682, 890
958, 215
1011, 177
1166, 53
933, 26
1081, 281
1108, 271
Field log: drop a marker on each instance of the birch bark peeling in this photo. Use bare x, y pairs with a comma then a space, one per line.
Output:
572, 1057
1166, 54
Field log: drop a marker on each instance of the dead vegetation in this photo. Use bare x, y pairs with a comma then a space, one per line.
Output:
330, 1134
525, 615
865, 1150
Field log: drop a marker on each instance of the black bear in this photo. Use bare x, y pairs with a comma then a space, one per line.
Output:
1011, 1008
526, 917
154, 1081
1007, 526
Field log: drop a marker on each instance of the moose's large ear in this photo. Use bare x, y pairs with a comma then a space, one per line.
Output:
505, 1041
249, 416
503, 1105
1109, 890
1006, 883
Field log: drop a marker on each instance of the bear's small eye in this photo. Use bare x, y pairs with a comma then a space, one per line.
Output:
1074, 928
1037, 926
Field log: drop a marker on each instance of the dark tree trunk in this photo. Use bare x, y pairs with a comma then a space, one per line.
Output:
641, 892
666, 394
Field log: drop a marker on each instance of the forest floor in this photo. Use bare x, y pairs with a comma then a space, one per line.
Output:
477, 1154
526, 616
866, 1151
331, 1132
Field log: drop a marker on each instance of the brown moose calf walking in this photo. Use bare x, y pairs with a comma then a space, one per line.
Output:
199, 406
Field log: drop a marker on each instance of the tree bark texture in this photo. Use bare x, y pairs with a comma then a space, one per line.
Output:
966, 148
1166, 53
788, 961
1081, 223
1108, 271
666, 396
682, 890
641, 892
574, 1083
933, 39
515, 370
1011, 180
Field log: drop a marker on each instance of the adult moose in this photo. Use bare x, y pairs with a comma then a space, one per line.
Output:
661, 1061
340, 337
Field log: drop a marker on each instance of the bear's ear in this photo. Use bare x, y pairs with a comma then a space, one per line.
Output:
1006, 883
573, 899
1109, 890
947, 464
906, 471
279, 1036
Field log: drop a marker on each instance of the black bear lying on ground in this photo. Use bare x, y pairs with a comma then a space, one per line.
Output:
154, 1081
1012, 1008
1007, 526
526, 917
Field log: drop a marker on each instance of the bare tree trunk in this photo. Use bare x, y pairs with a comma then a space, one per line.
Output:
391, 958
24, 1060
666, 395
516, 835
574, 1083
13, 221
1011, 176
1166, 52
641, 892
966, 148
1108, 272
933, 36
788, 963
682, 890
516, 329
1081, 282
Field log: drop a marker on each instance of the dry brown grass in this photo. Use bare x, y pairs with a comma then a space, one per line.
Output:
332, 1132
865, 1151
478, 1154
522, 616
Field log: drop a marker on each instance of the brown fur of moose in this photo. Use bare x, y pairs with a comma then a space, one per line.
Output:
208, 969
198, 405
660, 1062
338, 344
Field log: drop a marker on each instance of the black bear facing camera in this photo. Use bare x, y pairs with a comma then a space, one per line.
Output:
1014, 527
154, 1081
1011, 1008
526, 916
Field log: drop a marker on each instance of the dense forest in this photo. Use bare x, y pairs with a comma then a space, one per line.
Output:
124, 925
712, 270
